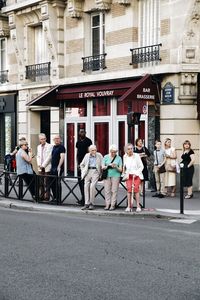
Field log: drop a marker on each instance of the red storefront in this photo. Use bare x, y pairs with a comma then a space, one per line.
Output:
101, 108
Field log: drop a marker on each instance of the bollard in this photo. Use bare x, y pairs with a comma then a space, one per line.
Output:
20, 195
6, 184
181, 190
143, 194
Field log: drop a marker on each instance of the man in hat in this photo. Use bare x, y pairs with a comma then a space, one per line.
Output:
82, 146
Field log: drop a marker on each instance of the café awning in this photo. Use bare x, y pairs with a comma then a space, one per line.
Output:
140, 89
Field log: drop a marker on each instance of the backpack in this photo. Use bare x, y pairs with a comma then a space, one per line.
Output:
9, 163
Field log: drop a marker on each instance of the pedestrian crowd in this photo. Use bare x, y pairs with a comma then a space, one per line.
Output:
132, 169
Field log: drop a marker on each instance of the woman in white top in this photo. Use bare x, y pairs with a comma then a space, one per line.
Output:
170, 166
132, 166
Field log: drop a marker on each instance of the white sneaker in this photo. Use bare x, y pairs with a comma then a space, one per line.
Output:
138, 209
128, 209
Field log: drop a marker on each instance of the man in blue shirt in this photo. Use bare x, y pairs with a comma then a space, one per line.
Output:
57, 166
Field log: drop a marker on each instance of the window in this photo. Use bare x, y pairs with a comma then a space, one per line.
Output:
101, 107
98, 34
3, 55
3, 71
149, 20
38, 58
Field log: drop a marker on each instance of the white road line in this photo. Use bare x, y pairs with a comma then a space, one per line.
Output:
184, 221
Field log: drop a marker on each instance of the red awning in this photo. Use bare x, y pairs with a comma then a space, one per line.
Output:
47, 98
142, 89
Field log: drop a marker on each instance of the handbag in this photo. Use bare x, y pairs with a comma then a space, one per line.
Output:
170, 168
162, 169
104, 174
125, 177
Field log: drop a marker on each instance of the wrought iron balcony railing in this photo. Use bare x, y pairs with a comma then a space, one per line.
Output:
3, 76
94, 63
145, 54
38, 71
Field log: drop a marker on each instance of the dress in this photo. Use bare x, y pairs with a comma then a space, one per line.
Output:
144, 160
170, 177
187, 172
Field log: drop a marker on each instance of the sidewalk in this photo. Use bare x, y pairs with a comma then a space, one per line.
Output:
155, 207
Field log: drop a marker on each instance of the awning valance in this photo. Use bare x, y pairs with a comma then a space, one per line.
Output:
133, 89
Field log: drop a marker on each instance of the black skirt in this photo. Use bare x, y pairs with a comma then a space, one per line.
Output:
188, 176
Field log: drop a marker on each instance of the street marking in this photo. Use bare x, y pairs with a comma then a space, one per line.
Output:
177, 211
184, 221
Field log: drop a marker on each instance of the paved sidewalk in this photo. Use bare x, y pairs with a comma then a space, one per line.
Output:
155, 207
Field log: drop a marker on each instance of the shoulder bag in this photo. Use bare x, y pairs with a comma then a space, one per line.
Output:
105, 171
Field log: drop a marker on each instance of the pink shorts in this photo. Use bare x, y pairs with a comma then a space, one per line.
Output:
136, 183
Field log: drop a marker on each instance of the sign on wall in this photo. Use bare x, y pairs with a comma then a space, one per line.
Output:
168, 93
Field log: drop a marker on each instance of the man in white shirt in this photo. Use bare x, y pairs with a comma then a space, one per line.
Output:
44, 154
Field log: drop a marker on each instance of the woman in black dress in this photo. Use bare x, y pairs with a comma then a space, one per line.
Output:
144, 153
188, 160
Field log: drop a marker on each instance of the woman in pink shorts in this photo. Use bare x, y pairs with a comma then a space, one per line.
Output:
133, 166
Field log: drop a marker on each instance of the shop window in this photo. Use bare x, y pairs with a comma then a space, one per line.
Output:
101, 107
121, 137
76, 108
101, 137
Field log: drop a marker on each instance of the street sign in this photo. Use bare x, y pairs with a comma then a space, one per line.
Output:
168, 93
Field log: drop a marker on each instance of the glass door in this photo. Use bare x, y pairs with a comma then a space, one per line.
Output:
72, 130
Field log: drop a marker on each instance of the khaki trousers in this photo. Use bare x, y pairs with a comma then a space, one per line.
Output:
111, 186
89, 187
160, 181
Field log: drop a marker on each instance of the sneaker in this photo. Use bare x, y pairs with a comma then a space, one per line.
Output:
128, 209
138, 209
85, 207
91, 207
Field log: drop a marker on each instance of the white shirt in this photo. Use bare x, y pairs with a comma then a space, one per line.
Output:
133, 165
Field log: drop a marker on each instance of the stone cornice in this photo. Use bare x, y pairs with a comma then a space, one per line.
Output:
75, 8
103, 4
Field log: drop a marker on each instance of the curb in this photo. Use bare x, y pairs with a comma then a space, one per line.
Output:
98, 212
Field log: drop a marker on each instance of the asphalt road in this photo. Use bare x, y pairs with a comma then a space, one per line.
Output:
62, 256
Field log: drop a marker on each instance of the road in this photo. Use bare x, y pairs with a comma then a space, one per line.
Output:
61, 256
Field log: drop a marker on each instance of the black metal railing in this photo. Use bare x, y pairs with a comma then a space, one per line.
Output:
49, 188
145, 54
2, 3
94, 63
3, 76
38, 71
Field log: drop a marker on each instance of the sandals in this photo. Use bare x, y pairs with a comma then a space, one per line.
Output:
189, 196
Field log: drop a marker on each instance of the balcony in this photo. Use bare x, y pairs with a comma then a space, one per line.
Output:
94, 63
3, 76
146, 54
38, 72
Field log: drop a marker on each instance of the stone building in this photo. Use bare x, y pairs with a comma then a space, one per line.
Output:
76, 64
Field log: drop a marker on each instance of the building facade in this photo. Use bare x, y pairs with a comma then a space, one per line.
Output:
86, 64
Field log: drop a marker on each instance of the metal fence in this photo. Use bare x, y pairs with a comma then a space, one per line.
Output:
51, 189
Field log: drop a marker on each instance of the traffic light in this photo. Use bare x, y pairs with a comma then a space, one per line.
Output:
133, 118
